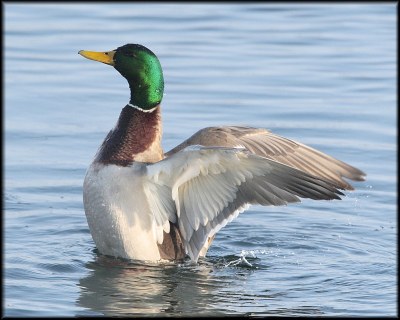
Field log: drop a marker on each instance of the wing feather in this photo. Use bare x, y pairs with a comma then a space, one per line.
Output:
266, 144
207, 187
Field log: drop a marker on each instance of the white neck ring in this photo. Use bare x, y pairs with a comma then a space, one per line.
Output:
143, 110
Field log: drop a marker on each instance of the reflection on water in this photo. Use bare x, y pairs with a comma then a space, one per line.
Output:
116, 287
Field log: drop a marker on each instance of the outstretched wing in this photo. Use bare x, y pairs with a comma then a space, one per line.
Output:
209, 186
272, 146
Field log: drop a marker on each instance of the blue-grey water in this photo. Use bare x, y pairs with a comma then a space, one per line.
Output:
322, 74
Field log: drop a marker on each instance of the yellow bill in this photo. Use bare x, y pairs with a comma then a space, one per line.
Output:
105, 57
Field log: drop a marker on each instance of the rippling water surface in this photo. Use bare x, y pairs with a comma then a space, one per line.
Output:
324, 75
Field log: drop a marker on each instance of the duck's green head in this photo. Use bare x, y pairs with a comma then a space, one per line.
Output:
140, 67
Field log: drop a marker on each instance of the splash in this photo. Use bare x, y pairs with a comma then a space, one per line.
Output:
245, 254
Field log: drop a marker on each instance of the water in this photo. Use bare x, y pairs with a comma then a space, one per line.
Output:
321, 74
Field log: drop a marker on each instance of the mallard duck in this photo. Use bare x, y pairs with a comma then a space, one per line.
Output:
144, 204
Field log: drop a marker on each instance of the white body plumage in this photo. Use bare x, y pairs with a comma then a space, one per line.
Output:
118, 212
